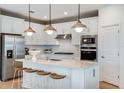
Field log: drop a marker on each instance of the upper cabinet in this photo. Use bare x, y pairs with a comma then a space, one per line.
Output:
63, 28
50, 39
92, 26
18, 26
38, 38
12, 25
6, 24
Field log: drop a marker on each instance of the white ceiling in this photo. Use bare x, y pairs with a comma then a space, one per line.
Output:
58, 10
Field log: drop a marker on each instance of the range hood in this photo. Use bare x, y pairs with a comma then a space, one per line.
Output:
64, 36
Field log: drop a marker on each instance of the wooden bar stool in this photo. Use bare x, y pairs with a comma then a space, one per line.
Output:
43, 79
57, 80
30, 70
18, 71
30, 73
57, 76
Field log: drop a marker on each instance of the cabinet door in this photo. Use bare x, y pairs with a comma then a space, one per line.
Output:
93, 25
7, 24
50, 39
28, 39
77, 36
92, 78
18, 26
38, 38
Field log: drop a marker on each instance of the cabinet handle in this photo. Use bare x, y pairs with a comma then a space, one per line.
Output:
102, 57
94, 72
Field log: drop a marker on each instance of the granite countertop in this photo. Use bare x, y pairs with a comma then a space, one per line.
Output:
63, 63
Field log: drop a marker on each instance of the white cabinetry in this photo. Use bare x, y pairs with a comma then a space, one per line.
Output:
92, 78
92, 26
7, 24
50, 39
12, 25
63, 28
76, 77
38, 38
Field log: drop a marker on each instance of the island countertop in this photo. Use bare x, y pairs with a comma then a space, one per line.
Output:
63, 63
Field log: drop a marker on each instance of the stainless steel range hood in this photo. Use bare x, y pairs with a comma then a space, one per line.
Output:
64, 36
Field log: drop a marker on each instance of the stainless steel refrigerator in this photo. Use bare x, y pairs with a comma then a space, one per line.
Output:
11, 48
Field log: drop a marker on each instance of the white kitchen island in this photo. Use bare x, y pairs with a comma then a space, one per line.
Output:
79, 75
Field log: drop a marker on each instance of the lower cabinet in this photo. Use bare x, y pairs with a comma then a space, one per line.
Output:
92, 78
76, 78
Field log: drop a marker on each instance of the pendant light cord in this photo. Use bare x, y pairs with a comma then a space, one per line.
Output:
78, 12
50, 14
29, 15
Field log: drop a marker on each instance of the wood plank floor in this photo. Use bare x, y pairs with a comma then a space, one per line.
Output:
105, 85
7, 85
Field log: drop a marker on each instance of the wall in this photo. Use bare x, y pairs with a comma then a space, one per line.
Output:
110, 15
64, 46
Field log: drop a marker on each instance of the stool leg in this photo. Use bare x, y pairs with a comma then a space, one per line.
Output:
18, 80
21, 79
13, 79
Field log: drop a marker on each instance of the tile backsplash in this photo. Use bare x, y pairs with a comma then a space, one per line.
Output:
64, 46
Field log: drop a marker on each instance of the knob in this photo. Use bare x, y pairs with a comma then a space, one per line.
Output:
102, 57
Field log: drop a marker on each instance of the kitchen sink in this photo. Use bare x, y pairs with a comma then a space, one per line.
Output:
55, 59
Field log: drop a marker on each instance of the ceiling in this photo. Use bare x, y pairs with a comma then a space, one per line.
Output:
41, 10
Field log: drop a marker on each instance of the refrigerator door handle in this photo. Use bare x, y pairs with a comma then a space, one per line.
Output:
14, 51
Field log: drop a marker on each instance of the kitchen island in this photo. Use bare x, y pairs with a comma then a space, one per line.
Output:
78, 74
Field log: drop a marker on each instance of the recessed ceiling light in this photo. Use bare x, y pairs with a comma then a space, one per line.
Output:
65, 13
45, 17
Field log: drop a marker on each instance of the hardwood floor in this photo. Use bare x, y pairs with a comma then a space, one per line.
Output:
7, 85
105, 85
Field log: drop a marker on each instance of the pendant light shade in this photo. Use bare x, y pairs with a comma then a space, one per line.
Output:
79, 27
29, 31
49, 29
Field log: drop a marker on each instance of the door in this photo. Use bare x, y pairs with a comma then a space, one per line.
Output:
92, 78
110, 54
19, 49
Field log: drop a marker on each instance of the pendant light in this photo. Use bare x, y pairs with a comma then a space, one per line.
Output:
49, 29
29, 31
79, 27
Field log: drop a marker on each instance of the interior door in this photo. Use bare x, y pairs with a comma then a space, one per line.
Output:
110, 54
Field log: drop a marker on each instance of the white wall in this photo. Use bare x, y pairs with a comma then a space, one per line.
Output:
64, 46
113, 14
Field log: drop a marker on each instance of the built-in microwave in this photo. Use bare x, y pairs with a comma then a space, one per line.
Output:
88, 39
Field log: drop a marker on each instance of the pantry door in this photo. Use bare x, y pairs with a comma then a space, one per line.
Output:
110, 54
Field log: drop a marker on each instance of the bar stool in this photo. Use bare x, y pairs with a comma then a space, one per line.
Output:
18, 71
44, 79
57, 80
30, 80
30, 70
57, 76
